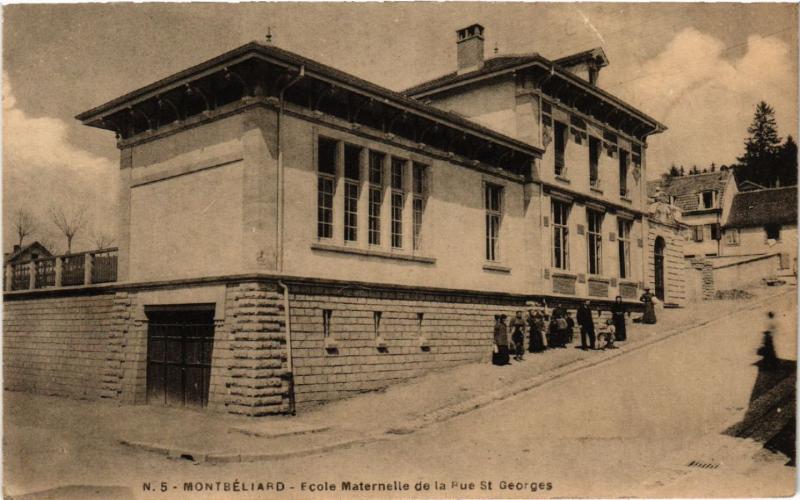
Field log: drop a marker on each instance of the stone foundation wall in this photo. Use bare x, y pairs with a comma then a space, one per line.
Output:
417, 332
58, 345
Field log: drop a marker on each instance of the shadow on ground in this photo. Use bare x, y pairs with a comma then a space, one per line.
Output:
770, 415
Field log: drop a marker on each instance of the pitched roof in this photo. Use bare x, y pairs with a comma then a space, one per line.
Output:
513, 61
685, 189
764, 206
10, 257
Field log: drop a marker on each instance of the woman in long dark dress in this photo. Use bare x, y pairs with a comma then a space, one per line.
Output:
649, 309
618, 313
536, 328
500, 356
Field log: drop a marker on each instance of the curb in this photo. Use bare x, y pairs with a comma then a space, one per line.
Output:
433, 417
562, 371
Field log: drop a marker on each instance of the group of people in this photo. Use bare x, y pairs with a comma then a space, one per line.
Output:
548, 329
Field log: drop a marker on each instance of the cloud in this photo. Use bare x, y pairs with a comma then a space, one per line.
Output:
707, 98
41, 168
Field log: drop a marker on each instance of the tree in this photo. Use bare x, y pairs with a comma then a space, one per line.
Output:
683, 172
102, 240
694, 170
787, 163
673, 171
69, 221
24, 224
761, 148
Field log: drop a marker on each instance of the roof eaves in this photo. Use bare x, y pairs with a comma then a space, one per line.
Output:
320, 71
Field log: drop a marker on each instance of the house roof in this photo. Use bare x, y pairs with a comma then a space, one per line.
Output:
512, 62
10, 257
256, 49
686, 189
764, 206
750, 186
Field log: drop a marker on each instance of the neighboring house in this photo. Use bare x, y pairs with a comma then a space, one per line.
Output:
703, 200
29, 252
750, 186
315, 235
761, 222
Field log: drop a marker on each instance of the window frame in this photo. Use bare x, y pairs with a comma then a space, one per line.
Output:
594, 239
624, 228
624, 165
560, 132
326, 189
732, 236
397, 201
777, 227
352, 194
560, 252
375, 201
419, 190
595, 148
493, 210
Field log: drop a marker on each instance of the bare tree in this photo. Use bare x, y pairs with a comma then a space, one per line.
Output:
69, 221
24, 224
102, 239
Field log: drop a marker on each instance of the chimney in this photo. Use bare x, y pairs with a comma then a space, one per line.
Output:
470, 48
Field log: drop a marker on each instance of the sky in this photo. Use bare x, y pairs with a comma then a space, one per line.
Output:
698, 68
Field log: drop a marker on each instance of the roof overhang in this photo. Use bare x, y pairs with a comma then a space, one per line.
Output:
243, 59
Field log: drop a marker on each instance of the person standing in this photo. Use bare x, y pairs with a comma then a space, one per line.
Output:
518, 336
649, 316
618, 313
500, 356
587, 326
536, 332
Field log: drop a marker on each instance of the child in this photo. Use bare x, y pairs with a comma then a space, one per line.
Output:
606, 333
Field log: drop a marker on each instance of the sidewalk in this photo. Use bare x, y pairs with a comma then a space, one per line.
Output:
400, 409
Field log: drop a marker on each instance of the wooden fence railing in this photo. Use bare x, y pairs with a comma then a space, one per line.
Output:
85, 268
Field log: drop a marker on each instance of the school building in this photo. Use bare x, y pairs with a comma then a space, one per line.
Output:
291, 234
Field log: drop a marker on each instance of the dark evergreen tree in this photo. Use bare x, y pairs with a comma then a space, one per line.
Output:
673, 171
761, 148
787, 163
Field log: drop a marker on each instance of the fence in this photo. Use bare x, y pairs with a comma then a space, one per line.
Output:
95, 266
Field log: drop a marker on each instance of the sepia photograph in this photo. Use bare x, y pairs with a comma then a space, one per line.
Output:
399, 250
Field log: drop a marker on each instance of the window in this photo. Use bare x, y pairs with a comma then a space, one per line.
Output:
376, 320
708, 199
624, 243
732, 236
773, 231
594, 160
398, 199
419, 174
326, 323
494, 204
595, 224
714, 232
420, 318
375, 196
560, 235
560, 147
352, 164
623, 172
326, 182
697, 233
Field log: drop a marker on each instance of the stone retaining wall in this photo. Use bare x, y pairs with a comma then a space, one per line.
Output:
57, 345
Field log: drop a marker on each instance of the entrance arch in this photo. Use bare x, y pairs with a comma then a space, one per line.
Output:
658, 258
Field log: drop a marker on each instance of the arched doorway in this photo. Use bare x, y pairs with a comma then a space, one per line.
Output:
658, 256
